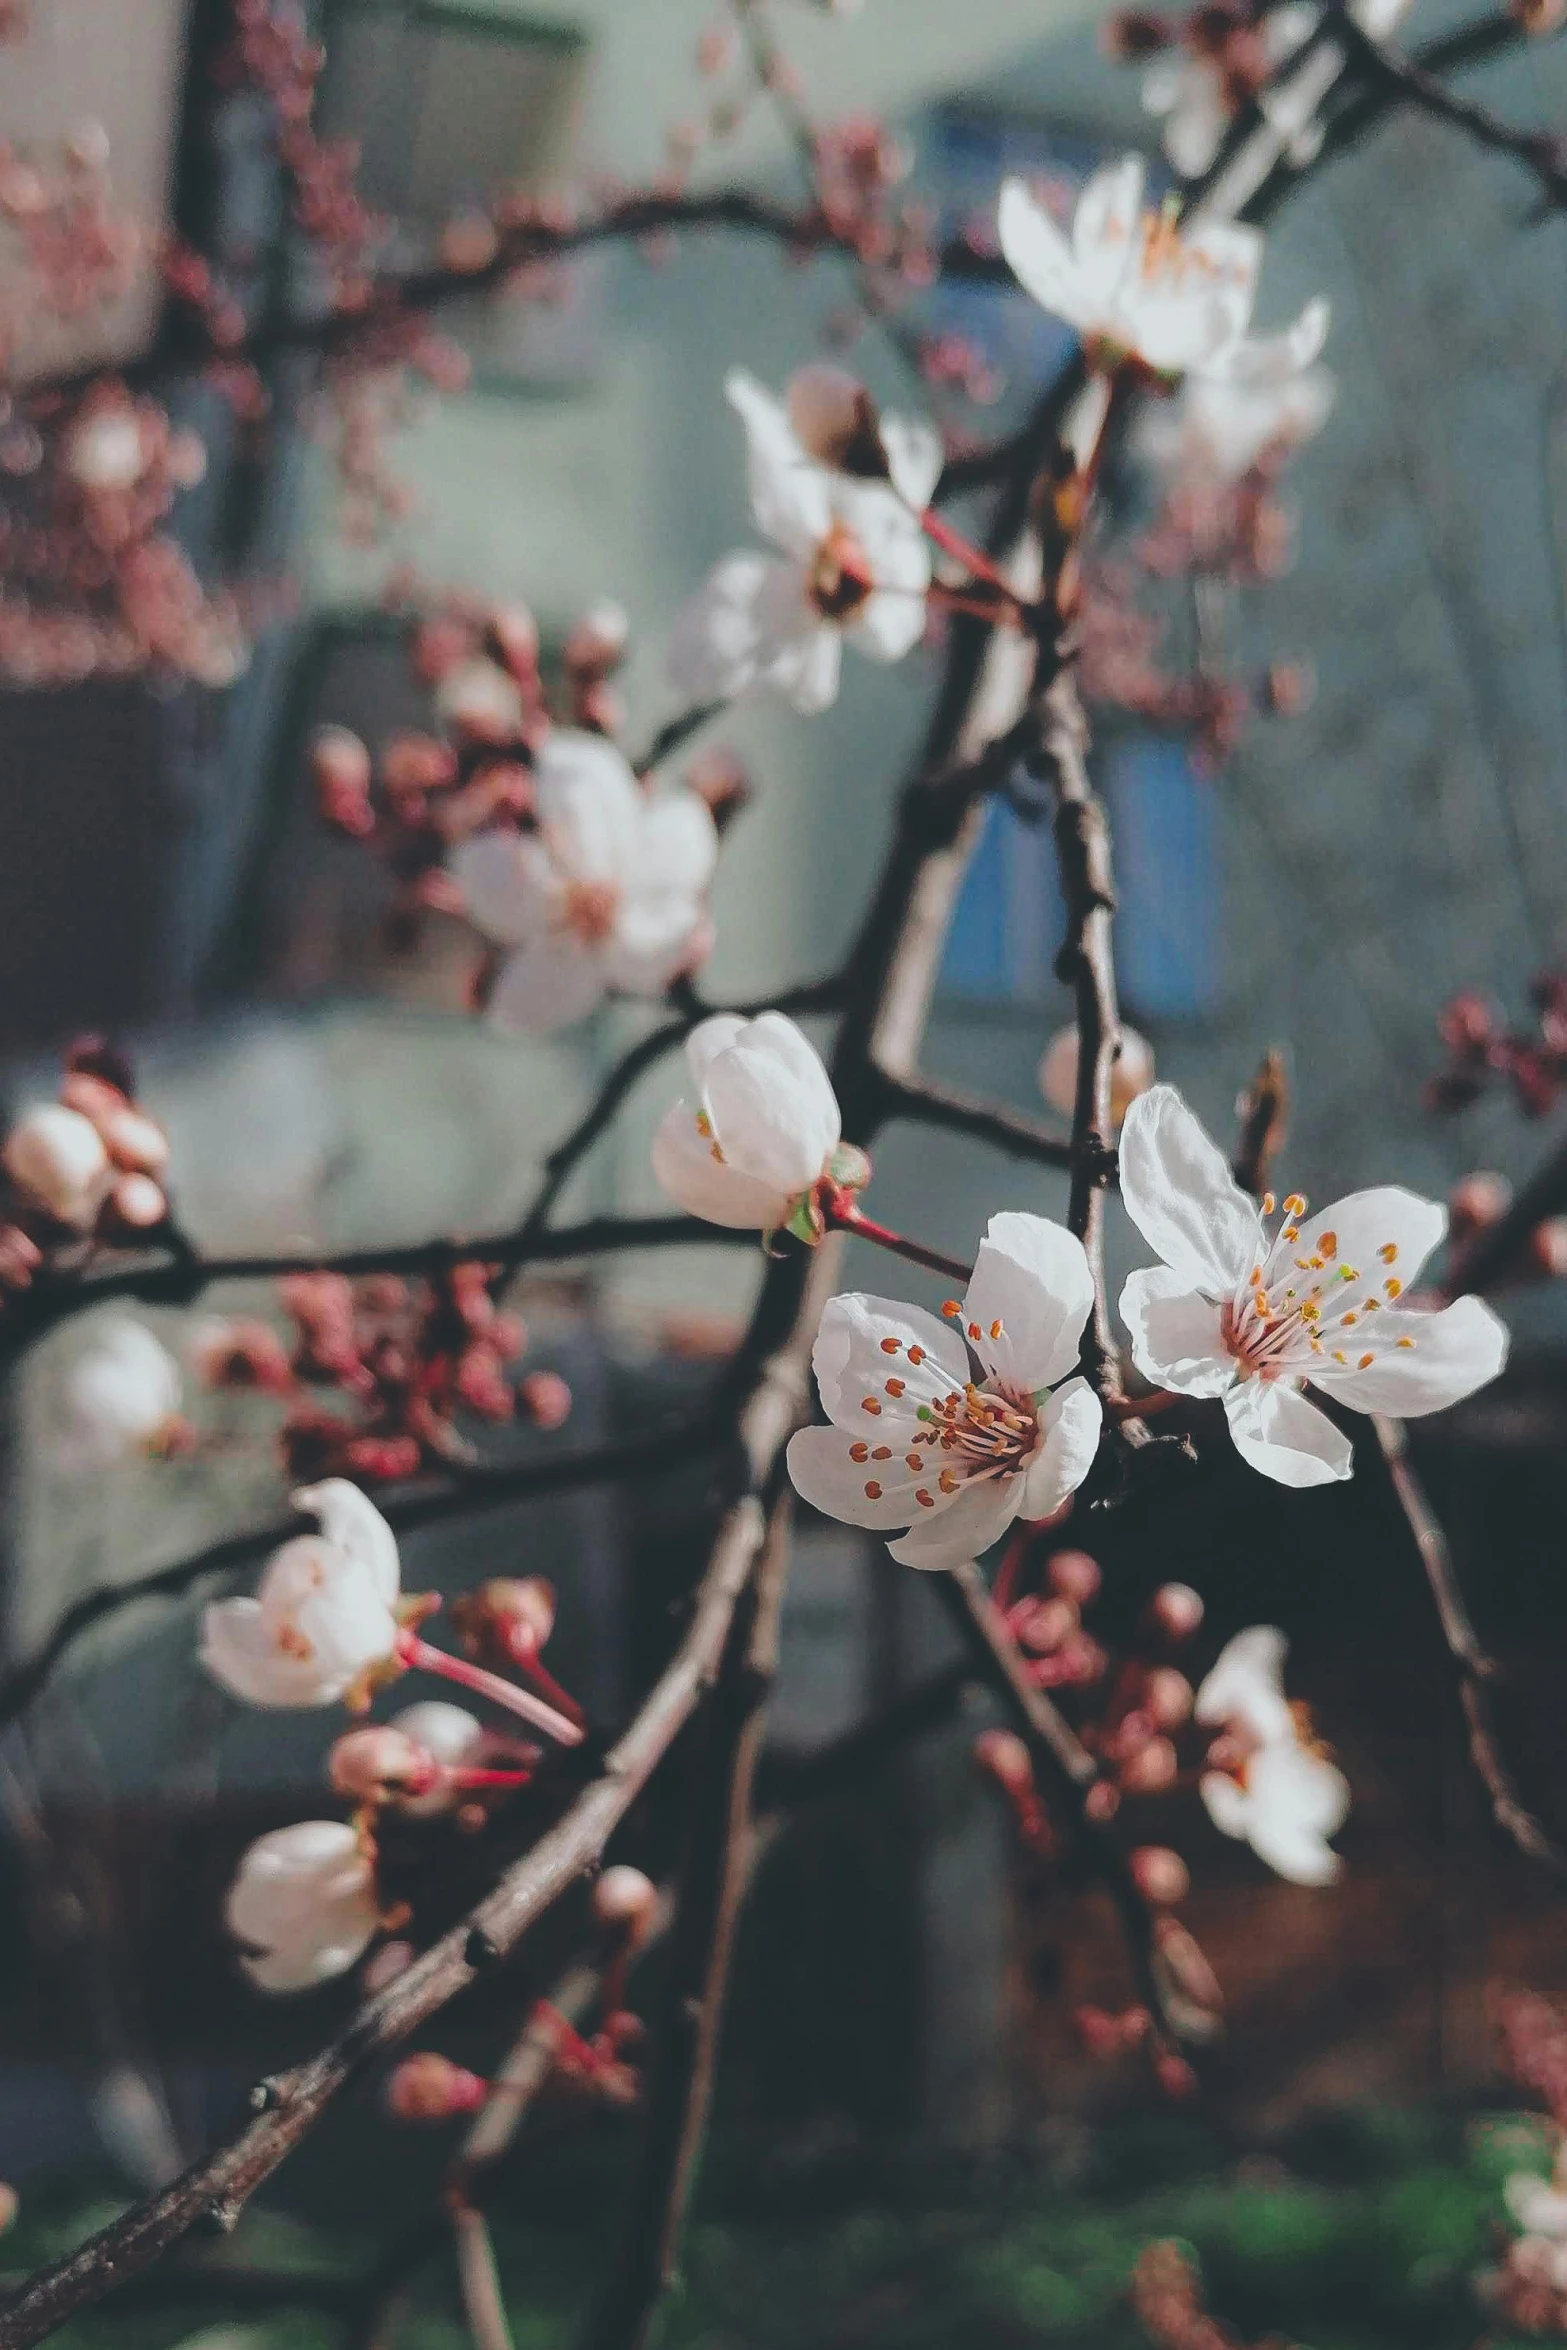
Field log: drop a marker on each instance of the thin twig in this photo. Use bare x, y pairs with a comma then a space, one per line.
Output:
925, 1102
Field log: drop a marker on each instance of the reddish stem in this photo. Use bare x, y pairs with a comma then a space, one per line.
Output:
418, 1653
460, 1775
952, 542
840, 1211
527, 1660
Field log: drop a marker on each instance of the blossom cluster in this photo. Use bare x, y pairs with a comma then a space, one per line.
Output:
1528, 2290
82, 1173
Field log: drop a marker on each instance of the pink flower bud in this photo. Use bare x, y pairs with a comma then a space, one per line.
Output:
1044, 1625
58, 1157
1174, 2075
516, 635
468, 243
1102, 1801
1167, 1697
625, 1899
1131, 1075
1004, 1755
545, 1398
138, 1202
135, 1141
513, 1614
1176, 1610
598, 640
1548, 1247
1150, 1769
1073, 1575
377, 1764
1478, 1200
430, 2088
480, 700
1160, 1875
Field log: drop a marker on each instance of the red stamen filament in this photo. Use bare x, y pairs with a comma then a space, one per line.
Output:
419, 1655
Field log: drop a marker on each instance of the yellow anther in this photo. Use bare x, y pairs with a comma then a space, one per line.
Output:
894, 1387
995, 1329
951, 1308
859, 1452
1406, 1342
1295, 1205
916, 1356
889, 1346
872, 1490
883, 1452
927, 1501
1327, 1242
871, 1404
947, 1481
1268, 1203
1388, 1252
1366, 1362
1394, 1287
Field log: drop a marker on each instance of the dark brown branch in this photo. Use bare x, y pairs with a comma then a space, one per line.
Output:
1264, 1111
1069, 1776
1414, 84
218, 2187
1478, 1671
927, 1103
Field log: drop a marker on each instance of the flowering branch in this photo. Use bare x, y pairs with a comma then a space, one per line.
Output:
1416, 84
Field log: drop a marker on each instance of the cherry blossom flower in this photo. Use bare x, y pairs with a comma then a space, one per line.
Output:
1220, 430
120, 1395
1250, 1317
606, 894
954, 1428
1276, 1789
854, 567
456, 1738
1135, 284
303, 1902
762, 1132
324, 1617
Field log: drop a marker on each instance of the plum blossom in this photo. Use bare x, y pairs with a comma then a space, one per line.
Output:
1274, 1788
58, 1158
1135, 284
606, 894
455, 1738
1195, 91
853, 565
762, 1132
1220, 430
324, 1618
303, 1905
120, 1395
955, 1427
1249, 1316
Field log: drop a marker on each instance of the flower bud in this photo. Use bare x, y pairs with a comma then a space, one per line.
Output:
1102, 1801
516, 635
1538, 17
1073, 1575
1003, 1754
10, 2205
1548, 1247
597, 642
479, 699
1044, 1625
104, 450
1477, 1200
430, 2088
625, 1899
516, 1613
1131, 1074
1151, 1769
546, 1399
58, 1157
138, 1202
1167, 1697
1160, 1875
1174, 2075
135, 1141
1176, 1610
378, 1764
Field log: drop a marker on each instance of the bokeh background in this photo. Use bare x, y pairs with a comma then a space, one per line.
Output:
915, 2149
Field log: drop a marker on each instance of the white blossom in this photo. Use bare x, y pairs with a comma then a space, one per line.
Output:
324, 1616
853, 566
1249, 1316
762, 1130
955, 1427
119, 1395
302, 1905
1278, 1791
1219, 431
606, 894
1135, 283
60, 1159
479, 698
456, 1738
1196, 95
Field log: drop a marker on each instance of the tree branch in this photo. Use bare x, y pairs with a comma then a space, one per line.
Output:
927, 1103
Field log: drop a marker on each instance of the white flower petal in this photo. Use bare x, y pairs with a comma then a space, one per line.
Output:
673, 846
591, 811
1366, 1225
1278, 1432
1039, 256
1105, 230
508, 882
977, 1516
767, 1122
684, 1164
826, 1477
715, 645
789, 492
238, 1652
708, 1039
850, 1361
1033, 1278
1072, 1422
1449, 1354
888, 624
914, 458
655, 936
350, 1520
1177, 1334
1180, 1194
546, 985
1296, 1800
1271, 359
1246, 1685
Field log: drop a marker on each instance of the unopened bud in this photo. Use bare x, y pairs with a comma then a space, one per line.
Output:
1150, 1769
831, 411
1102, 1801
1291, 685
1044, 1625
516, 1612
625, 1899
469, 242
1073, 1575
1477, 1200
597, 641
430, 2088
135, 1141
1548, 1247
1132, 34
1131, 1074
1176, 1610
1160, 1875
1003, 1754
139, 1202
1538, 17
377, 1764
1174, 2075
516, 635
1167, 1697
58, 1157
546, 1398
479, 699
